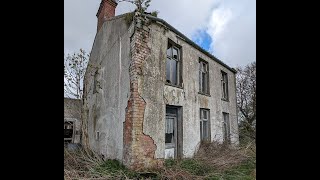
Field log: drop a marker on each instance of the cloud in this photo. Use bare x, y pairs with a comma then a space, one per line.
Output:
225, 27
80, 24
232, 26
188, 16
228, 26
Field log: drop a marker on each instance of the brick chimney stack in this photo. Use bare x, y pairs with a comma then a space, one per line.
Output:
106, 10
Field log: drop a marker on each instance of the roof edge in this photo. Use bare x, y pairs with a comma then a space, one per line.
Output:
190, 42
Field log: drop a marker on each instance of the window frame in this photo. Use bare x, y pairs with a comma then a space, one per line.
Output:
224, 86
179, 81
208, 129
70, 122
207, 75
226, 128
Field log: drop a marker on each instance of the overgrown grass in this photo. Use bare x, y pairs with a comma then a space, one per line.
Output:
113, 168
212, 161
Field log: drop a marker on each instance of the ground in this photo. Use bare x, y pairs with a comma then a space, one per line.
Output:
212, 161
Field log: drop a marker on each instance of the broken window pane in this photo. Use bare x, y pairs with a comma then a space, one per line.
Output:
173, 66
169, 50
174, 72
168, 71
203, 77
224, 79
169, 138
175, 53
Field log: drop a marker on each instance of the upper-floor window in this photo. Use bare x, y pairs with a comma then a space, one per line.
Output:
173, 65
224, 85
203, 77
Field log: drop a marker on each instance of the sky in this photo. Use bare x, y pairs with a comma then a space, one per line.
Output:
225, 28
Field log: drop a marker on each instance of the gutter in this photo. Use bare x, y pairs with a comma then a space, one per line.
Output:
190, 42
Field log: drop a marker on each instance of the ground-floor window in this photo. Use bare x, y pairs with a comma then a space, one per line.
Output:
68, 131
204, 124
226, 127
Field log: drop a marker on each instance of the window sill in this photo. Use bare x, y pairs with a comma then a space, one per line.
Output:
226, 100
205, 94
168, 84
205, 141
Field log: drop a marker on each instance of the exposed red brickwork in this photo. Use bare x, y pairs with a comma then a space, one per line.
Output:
139, 149
106, 10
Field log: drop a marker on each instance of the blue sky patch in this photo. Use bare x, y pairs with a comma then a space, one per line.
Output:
203, 39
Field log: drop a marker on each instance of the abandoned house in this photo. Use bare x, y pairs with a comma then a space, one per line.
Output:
72, 120
150, 93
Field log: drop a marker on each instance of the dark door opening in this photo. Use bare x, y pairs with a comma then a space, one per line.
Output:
173, 132
68, 131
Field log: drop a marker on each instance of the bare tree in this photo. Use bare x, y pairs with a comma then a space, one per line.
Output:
74, 69
246, 101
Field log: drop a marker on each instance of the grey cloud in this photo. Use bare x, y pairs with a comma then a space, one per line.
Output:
235, 45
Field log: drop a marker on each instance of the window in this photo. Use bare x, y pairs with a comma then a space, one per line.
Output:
68, 131
203, 77
173, 65
226, 128
224, 84
204, 125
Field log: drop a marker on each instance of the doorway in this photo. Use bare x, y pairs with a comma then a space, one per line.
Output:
173, 132
68, 131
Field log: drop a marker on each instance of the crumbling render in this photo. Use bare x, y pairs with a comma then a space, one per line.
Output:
139, 149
